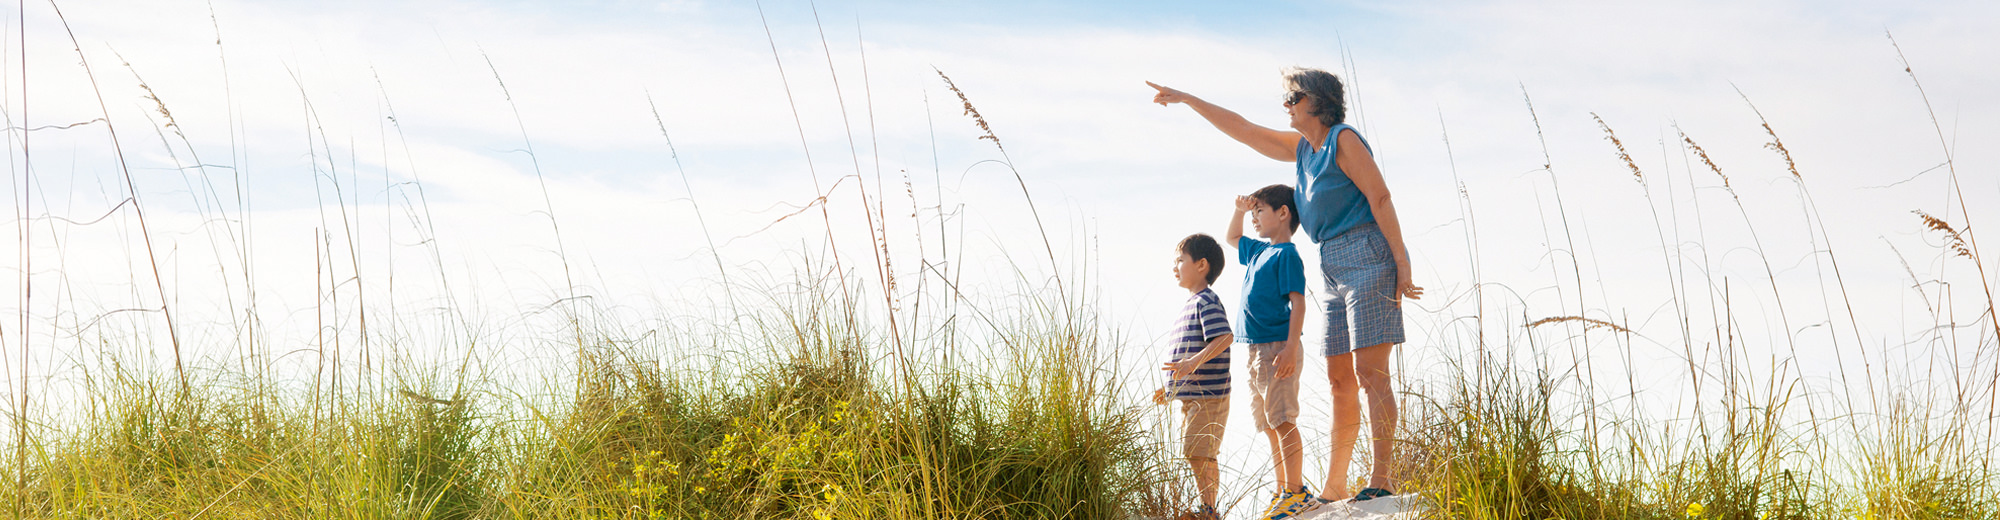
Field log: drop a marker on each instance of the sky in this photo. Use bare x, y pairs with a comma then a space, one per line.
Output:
418, 153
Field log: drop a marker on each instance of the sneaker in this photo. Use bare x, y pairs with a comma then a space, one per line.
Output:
1291, 504
1306, 501
1276, 500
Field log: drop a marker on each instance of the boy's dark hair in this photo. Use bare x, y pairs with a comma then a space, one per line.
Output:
1329, 97
1203, 247
1279, 196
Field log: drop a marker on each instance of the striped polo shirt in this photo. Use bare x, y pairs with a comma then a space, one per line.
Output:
1203, 319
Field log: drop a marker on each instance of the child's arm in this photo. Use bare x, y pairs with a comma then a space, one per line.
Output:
1293, 353
1187, 366
1243, 205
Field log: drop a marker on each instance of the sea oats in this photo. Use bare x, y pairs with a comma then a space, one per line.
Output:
1622, 155
1952, 237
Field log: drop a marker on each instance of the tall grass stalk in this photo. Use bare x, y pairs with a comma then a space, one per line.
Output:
1968, 244
132, 191
1821, 245
22, 232
826, 216
728, 292
548, 204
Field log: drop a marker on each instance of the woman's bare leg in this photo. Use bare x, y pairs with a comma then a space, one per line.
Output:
1371, 369
1346, 423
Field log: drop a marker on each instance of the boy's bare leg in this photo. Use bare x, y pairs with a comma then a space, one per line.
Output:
1286, 456
1207, 478
1346, 423
1288, 437
1277, 457
1371, 368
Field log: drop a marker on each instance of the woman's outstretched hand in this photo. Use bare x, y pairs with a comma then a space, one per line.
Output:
1167, 96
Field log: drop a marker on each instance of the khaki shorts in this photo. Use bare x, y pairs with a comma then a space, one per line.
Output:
1204, 419
1273, 401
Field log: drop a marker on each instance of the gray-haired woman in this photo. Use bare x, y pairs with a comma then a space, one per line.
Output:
1344, 206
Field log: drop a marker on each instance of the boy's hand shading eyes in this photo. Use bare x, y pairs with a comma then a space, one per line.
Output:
1245, 202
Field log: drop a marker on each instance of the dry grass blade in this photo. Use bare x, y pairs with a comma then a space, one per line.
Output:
720, 271
152, 257
816, 202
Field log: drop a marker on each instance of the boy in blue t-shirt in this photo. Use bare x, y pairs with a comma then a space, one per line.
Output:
1273, 313
1199, 370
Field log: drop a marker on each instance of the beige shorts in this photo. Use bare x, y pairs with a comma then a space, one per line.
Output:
1273, 401
1202, 425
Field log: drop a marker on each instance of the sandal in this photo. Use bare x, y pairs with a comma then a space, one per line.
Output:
1371, 494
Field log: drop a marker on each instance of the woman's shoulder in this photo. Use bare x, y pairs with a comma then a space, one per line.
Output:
1346, 138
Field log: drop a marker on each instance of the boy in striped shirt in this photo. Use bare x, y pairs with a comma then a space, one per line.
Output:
1200, 366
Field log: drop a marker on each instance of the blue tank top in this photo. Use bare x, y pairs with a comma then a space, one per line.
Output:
1329, 203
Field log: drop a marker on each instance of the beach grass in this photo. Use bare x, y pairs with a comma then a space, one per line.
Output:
832, 398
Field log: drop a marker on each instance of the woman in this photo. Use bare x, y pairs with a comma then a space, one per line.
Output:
1344, 207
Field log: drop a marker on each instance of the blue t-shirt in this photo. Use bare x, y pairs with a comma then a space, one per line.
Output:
1274, 272
1202, 320
1329, 204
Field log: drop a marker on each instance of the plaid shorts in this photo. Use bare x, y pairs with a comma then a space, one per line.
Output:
1361, 302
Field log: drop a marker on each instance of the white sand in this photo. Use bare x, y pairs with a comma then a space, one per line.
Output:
1395, 507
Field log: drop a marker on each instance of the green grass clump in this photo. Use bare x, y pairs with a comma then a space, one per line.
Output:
805, 426
1502, 447
1496, 453
149, 449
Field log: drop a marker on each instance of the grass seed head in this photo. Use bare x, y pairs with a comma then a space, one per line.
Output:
1778, 145
972, 111
1703, 155
1622, 155
1588, 323
1952, 237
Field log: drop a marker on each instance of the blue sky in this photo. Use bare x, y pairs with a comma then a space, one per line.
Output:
1062, 84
